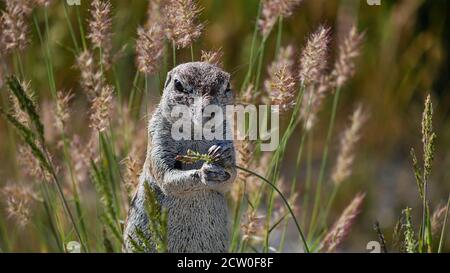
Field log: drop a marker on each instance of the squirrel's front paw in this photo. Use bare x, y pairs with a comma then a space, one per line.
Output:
215, 177
214, 173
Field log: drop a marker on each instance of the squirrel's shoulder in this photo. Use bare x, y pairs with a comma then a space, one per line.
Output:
158, 124
159, 132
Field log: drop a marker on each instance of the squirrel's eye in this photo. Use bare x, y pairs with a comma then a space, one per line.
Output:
228, 88
179, 86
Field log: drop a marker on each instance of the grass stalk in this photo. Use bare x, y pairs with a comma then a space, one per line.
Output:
49, 61
48, 210
423, 245
260, 64
274, 169
272, 185
252, 49
236, 221
293, 188
317, 196
52, 84
66, 206
279, 34
133, 90
71, 29
307, 189
80, 27
174, 54
19, 65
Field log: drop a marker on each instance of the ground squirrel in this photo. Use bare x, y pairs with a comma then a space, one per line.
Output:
193, 194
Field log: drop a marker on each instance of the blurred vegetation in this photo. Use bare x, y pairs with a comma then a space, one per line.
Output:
405, 56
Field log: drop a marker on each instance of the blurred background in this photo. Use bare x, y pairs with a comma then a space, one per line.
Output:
405, 56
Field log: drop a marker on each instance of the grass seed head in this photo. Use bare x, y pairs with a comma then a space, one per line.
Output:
80, 159
272, 10
349, 50
410, 242
18, 200
132, 171
437, 219
181, 22
252, 96
341, 229
155, 12
91, 77
281, 82
62, 109
252, 226
313, 61
14, 29
343, 167
101, 109
17, 111
100, 28
313, 64
212, 57
428, 137
149, 48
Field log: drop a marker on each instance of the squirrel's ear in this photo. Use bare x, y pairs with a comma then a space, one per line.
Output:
168, 79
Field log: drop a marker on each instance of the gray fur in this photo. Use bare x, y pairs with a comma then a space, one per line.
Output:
193, 194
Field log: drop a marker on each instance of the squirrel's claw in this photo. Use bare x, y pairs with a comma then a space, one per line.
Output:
221, 153
215, 152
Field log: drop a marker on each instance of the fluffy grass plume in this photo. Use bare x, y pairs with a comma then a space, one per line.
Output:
341, 229
181, 23
272, 10
346, 156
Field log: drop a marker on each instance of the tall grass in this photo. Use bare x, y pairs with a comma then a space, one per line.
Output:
82, 180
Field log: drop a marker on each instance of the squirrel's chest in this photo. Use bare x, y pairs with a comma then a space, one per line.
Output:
198, 223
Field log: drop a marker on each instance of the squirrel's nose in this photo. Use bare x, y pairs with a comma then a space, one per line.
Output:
209, 91
207, 99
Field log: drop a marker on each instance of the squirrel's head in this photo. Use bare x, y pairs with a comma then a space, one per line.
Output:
196, 86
